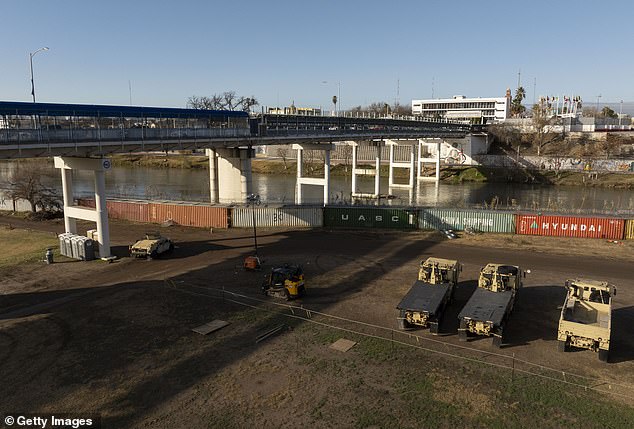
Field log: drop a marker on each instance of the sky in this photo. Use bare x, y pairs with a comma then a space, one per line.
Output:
306, 52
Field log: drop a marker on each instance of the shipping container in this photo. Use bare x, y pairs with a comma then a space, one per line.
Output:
367, 217
86, 202
570, 226
629, 229
127, 210
242, 217
189, 215
459, 219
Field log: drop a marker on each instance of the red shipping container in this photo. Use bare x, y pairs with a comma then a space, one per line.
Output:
189, 215
569, 226
135, 212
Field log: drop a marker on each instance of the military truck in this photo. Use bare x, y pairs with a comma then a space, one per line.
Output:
586, 317
151, 246
488, 309
425, 302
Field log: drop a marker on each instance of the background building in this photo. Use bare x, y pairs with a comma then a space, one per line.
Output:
474, 110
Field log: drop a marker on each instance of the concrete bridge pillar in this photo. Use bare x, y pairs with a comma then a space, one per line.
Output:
233, 175
213, 175
425, 158
315, 181
410, 165
99, 215
376, 172
70, 224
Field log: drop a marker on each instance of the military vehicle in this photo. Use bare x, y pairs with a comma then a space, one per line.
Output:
585, 320
151, 246
491, 304
425, 302
286, 281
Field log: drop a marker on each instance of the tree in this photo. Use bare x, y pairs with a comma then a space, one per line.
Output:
346, 154
606, 112
517, 108
228, 100
544, 127
283, 152
507, 135
26, 183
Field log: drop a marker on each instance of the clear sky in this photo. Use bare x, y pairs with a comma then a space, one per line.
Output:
283, 51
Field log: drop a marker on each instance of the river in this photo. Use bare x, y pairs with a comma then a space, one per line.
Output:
193, 185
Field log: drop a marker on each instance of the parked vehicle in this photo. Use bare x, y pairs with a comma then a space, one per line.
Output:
152, 246
586, 317
490, 306
428, 297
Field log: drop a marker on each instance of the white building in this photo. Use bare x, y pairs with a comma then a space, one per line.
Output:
474, 110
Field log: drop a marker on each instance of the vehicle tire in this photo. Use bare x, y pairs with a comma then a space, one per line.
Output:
171, 248
153, 255
604, 355
463, 335
403, 324
562, 346
433, 328
287, 295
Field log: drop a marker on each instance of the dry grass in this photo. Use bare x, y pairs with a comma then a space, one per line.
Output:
22, 246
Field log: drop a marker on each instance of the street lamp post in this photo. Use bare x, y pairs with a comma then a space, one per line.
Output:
620, 113
31, 55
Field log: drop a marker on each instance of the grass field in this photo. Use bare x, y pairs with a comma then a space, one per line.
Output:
21, 246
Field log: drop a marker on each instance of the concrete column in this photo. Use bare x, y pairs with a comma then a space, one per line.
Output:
354, 169
103, 231
213, 176
438, 144
390, 180
300, 167
70, 225
326, 177
377, 177
245, 174
412, 158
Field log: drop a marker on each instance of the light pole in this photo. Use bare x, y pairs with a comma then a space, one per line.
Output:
620, 113
31, 55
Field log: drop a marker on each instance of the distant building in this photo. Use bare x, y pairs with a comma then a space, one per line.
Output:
474, 110
292, 110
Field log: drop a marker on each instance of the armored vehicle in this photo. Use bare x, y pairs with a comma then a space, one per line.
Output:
286, 281
425, 302
585, 320
151, 246
491, 304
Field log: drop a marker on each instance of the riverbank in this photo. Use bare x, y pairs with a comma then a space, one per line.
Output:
453, 175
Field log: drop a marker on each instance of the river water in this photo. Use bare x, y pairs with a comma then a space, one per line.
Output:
193, 185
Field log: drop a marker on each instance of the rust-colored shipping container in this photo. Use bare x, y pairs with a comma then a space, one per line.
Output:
126, 210
569, 226
189, 215
629, 229
86, 202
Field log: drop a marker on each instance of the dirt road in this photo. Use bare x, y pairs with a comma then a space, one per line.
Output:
116, 337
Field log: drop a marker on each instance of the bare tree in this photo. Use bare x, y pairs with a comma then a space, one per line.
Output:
283, 152
346, 155
26, 183
609, 146
228, 100
544, 126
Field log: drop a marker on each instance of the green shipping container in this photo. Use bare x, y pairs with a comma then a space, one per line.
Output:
459, 219
629, 229
362, 217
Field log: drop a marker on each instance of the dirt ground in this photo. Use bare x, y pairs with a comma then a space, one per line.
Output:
116, 338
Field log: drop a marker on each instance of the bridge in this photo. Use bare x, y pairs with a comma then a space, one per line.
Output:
80, 137
50, 129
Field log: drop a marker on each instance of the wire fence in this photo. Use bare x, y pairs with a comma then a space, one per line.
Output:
458, 352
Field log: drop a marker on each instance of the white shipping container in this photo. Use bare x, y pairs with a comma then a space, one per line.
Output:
271, 217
